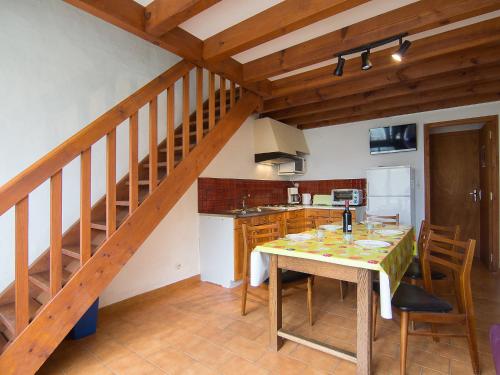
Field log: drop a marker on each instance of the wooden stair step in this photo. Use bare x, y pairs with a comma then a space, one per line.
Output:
73, 250
8, 314
121, 216
123, 203
141, 183
161, 164
98, 226
42, 279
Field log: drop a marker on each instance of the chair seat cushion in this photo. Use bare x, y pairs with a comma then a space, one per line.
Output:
414, 271
414, 298
290, 276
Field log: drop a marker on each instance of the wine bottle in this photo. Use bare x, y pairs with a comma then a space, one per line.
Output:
347, 219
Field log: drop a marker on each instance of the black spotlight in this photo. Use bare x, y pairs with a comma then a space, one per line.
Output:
365, 60
403, 47
339, 70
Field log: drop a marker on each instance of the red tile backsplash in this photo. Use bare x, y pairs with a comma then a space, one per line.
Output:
220, 194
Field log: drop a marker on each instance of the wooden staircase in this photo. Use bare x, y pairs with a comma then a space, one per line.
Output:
49, 296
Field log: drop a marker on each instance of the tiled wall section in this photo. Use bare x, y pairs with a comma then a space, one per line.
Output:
220, 194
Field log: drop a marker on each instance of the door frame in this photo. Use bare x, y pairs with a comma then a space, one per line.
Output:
493, 120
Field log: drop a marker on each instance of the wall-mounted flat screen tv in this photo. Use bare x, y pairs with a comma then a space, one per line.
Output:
396, 138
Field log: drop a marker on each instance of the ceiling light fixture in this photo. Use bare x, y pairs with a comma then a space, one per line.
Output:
365, 60
339, 70
366, 64
403, 48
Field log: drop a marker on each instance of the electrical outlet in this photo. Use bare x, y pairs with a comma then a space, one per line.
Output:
178, 266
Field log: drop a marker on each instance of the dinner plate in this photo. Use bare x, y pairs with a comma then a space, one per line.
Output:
372, 244
389, 232
374, 223
330, 227
299, 237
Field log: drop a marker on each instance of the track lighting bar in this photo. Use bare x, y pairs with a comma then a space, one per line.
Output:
365, 55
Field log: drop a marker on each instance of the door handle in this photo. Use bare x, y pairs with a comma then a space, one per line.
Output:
476, 195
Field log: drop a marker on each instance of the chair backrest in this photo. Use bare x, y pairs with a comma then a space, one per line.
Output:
450, 232
456, 256
384, 219
299, 224
255, 235
319, 220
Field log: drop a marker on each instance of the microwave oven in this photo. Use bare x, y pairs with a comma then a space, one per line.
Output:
297, 166
354, 196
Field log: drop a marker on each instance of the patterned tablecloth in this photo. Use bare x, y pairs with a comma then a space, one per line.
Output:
391, 262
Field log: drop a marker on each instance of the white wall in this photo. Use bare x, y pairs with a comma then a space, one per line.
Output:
60, 68
171, 253
342, 151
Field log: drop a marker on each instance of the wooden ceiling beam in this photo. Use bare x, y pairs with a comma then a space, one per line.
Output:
408, 109
474, 88
475, 35
446, 80
278, 20
130, 16
469, 58
165, 15
413, 18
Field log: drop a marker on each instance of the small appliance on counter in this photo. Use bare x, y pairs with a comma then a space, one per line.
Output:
293, 195
354, 196
306, 199
322, 200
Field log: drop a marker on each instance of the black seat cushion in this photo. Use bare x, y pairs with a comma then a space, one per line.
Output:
414, 298
290, 276
414, 272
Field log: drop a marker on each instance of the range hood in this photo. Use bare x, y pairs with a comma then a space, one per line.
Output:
277, 143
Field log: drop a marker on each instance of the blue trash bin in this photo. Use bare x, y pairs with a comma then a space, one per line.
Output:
87, 325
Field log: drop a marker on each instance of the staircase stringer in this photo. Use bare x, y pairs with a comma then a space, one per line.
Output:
36, 342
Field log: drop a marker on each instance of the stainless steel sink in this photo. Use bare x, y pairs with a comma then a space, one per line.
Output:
251, 211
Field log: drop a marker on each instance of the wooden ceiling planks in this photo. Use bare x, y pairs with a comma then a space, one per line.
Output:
278, 20
405, 73
450, 67
417, 17
478, 34
165, 15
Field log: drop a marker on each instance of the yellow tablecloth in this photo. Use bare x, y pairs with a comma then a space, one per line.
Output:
391, 262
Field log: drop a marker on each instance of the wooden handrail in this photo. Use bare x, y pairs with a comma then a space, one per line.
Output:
28, 180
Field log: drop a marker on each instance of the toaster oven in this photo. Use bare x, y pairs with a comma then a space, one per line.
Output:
354, 196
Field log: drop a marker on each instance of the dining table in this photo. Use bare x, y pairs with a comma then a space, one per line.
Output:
383, 252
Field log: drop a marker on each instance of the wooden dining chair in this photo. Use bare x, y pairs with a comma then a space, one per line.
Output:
319, 221
421, 305
384, 219
299, 224
257, 235
414, 272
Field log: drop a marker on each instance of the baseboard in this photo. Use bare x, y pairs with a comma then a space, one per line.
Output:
152, 294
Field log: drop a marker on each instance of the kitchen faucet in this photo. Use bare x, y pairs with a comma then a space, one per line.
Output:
244, 201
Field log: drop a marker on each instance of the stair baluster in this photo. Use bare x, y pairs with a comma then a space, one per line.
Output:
185, 116
133, 163
211, 100
170, 129
110, 183
153, 144
55, 268
232, 95
199, 104
222, 96
85, 206
22, 284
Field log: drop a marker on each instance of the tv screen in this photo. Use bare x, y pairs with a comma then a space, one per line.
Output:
393, 139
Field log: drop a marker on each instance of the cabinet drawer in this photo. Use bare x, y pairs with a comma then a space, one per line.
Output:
311, 212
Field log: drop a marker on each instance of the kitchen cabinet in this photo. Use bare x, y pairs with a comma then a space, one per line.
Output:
334, 214
221, 239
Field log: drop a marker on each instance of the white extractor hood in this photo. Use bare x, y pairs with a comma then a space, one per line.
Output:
276, 142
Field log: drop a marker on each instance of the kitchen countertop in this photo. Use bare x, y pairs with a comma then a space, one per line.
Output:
252, 211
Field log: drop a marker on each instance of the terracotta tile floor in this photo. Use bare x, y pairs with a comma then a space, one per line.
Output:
198, 330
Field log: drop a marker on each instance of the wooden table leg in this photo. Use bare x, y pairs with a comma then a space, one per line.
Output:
364, 325
275, 315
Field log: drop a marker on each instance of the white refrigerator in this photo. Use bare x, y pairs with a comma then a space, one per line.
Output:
391, 190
